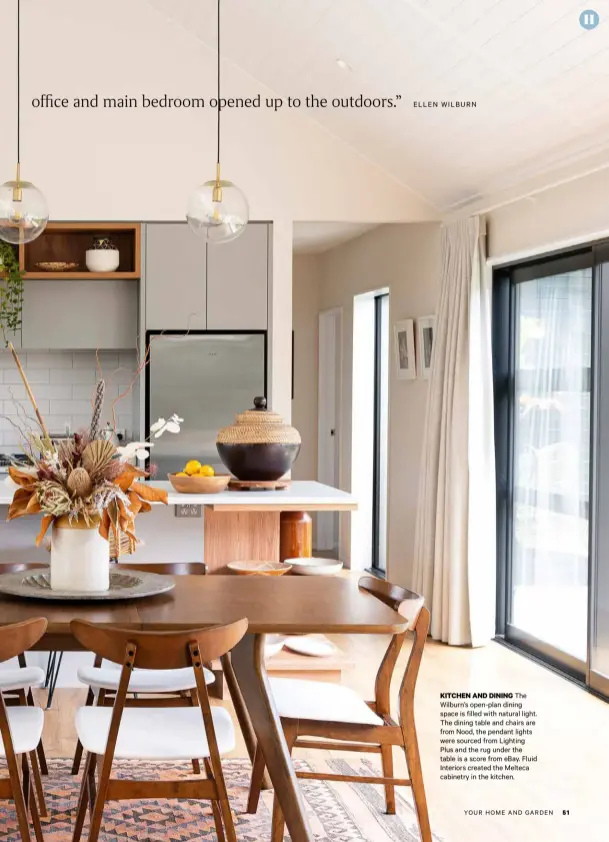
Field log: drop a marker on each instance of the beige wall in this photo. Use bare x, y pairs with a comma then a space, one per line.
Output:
571, 213
305, 312
404, 258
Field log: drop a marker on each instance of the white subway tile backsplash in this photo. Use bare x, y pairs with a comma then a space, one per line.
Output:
63, 383
73, 375
70, 407
47, 359
55, 390
9, 392
34, 375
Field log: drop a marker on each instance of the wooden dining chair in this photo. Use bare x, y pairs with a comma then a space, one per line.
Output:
158, 688
17, 685
20, 732
313, 711
146, 733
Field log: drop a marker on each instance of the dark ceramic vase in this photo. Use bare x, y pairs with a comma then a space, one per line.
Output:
258, 462
258, 447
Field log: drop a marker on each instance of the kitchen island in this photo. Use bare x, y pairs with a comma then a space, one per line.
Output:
237, 525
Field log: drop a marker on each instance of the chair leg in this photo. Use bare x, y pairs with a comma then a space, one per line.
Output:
278, 824
387, 762
37, 780
256, 781
78, 753
215, 806
227, 817
415, 772
35, 815
97, 813
194, 701
19, 800
83, 800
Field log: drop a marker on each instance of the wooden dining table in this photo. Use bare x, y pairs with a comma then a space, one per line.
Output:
273, 605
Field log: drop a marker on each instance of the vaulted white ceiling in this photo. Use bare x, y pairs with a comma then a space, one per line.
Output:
538, 78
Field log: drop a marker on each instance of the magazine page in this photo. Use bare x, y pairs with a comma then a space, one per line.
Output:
304, 438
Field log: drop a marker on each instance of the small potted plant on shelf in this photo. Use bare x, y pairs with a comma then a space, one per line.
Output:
88, 493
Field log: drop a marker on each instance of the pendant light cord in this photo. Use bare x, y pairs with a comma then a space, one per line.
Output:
219, 109
18, 81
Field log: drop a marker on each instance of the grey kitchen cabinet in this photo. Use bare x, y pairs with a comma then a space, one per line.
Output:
237, 281
175, 285
80, 314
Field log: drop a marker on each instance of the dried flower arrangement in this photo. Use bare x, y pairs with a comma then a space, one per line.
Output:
85, 479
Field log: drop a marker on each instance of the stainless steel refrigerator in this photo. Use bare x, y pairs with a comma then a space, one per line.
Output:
206, 379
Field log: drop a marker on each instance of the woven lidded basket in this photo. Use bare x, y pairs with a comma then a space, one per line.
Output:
259, 426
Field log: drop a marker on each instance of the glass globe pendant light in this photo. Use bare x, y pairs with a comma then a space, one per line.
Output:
23, 208
218, 210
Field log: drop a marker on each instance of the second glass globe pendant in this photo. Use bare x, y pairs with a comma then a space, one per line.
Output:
218, 209
23, 208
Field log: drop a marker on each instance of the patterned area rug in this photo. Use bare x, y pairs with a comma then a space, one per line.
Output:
338, 812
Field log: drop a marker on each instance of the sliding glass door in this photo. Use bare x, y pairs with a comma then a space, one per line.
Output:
598, 673
545, 364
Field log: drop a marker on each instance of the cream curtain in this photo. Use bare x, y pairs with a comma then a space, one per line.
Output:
455, 534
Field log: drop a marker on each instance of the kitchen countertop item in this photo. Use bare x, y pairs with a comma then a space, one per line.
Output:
199, 485
315, 566
259, 568
259, 445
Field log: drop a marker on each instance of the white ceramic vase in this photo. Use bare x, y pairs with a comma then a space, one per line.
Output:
80, 558
102, 260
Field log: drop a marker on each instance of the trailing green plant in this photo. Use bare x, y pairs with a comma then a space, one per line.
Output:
11, 291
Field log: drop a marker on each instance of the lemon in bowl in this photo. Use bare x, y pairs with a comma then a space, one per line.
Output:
193, 466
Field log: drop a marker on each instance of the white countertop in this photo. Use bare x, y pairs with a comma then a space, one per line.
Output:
308, 496
305, 496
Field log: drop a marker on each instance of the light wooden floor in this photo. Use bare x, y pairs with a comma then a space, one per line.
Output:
571, 742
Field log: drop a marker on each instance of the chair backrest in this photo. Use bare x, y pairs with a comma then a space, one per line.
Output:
171, 568
17, 638
157, 650
411, 606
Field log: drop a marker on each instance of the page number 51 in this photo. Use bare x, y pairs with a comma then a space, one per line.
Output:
565, 812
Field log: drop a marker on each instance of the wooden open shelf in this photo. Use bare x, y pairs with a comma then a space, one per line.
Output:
68, 241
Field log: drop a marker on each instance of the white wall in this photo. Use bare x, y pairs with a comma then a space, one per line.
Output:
406, 259
573, 212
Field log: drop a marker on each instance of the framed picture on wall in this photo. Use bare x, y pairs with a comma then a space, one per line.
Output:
403, 334
425, 335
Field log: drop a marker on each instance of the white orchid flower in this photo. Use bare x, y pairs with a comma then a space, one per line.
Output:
171, 426
137, 449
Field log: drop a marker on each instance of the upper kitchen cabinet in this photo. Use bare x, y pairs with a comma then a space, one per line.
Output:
237, 281
175, 286
79, 314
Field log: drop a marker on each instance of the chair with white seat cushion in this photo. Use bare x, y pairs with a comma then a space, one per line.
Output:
16, 686
170, 688
20, 730
155, 733
329, 716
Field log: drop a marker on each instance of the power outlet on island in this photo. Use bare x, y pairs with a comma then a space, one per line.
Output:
187, 510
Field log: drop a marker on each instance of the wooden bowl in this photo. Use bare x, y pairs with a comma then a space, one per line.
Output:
199, 485
259, 568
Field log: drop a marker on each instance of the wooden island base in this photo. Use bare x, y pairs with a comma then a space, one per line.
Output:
255, 536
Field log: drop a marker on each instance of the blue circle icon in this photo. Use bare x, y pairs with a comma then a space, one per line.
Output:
589, 19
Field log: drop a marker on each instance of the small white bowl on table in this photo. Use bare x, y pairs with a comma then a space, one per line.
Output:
314, 566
